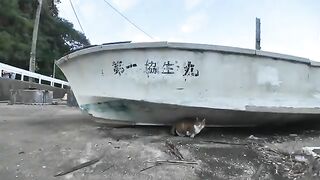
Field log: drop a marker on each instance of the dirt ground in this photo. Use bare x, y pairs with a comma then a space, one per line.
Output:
45, 142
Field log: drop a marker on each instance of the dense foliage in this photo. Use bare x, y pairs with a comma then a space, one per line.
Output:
55, 38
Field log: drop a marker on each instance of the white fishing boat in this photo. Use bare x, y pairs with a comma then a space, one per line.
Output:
158, 83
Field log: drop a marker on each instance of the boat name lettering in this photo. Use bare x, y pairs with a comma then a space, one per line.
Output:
189, 70
167, 68
117, 67
151, 67
131, 66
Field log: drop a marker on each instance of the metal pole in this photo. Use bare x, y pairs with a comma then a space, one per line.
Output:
32, 62
54, 69
258, 38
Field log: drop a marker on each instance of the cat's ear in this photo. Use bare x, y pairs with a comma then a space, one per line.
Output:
204, 120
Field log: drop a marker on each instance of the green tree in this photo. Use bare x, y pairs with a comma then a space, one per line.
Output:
56, 35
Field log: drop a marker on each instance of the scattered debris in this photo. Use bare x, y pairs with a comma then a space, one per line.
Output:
149, 167
65, 97
310, 151
80, 166
173, 162
54, 103
174, 150
21, 152
293, 135
291, 165
253, 137
301, 158
223, 142
104, 170
258, 172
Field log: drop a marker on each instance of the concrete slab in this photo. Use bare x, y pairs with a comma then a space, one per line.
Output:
31, 96
37, 142
7, 84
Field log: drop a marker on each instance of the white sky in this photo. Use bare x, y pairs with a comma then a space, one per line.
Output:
287, 26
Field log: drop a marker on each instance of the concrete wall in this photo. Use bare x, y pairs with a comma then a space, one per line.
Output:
7, 84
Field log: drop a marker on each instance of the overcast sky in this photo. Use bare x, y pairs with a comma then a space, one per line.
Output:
287, 26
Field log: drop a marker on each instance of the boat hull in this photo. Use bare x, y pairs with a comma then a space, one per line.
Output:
160, 83
132, 112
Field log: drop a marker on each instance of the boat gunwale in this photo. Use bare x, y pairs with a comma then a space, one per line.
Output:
185, 46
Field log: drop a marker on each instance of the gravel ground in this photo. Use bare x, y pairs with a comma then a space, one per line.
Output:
40, 142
